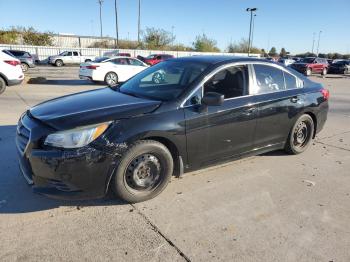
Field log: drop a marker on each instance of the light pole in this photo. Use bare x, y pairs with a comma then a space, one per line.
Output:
251, 42
139, 23
116, 23
313, 42
100, 2
251, 10
172, 35
318, 42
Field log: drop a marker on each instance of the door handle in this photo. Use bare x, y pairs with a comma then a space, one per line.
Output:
294, 99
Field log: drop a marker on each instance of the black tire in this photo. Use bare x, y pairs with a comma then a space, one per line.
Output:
24, 67
300, 136
111, 79
149, 159
308, 71
58, 63
2, 85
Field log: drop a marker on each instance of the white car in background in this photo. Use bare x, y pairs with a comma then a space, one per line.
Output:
111, 70
286, 61
10, 71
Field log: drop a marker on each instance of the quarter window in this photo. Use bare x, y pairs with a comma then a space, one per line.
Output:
135, 62
291, 81
231, 82
268, 79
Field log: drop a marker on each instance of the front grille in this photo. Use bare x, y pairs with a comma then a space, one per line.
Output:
23, 135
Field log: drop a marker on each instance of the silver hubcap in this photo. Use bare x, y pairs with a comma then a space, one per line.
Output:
111, 79
24, 67
157, 78
143, 173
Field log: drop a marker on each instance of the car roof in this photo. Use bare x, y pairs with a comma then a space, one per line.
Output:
216, 59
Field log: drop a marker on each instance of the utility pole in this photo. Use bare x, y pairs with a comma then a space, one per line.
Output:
116, 23
100, 2
313, 42
318, 42
139, 23
251, 10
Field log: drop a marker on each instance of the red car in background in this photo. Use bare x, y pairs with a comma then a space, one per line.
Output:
156, 58
311, 65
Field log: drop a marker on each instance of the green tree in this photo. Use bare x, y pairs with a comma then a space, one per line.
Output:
273, 51
283, 52
242, 47
32, 37
205, 44
157, 38
9, 36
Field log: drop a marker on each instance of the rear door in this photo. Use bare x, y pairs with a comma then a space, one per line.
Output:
279, 100
76, 57
218, 132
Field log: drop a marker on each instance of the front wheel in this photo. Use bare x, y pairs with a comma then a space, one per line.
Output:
24, 67
300, 135
59, 63
143, 172
111, 79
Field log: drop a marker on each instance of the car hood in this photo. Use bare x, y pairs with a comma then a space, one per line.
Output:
90, 107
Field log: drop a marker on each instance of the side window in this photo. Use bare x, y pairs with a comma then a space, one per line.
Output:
159, 57
69, 54
268, 79
195, 99
231, 82
135, 62
75, 54
120, 61
291, 81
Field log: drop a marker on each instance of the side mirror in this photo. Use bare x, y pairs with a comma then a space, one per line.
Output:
213, 99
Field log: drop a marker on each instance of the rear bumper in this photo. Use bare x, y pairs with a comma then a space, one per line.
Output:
14, 82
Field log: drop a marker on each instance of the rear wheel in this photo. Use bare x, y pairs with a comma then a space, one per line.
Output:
300, 135
24, 67
2, 85
143, 172
111, 79
59, 63
308, 71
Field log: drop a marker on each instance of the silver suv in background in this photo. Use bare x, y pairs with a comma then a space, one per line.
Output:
27, 60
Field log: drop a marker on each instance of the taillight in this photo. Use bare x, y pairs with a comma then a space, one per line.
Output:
13, 62
93, 67
325, 93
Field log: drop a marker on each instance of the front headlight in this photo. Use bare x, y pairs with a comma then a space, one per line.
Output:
77, 137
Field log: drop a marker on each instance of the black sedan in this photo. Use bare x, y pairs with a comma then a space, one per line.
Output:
339, 67
177, 116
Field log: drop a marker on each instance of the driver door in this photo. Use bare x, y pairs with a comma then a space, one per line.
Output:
217, 132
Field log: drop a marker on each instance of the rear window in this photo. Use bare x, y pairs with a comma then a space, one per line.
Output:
101, 59
268, 79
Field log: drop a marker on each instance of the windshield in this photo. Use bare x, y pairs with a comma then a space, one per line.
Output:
101, 59
307, 60
164, 81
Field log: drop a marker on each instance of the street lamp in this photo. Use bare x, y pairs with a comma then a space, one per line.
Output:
100, 2
251, 10
318, 42
139, 23
313, 42
251, 44
116, 23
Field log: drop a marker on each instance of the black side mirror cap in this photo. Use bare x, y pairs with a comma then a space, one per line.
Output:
213, 99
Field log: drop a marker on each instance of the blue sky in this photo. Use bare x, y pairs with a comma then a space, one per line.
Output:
279, 23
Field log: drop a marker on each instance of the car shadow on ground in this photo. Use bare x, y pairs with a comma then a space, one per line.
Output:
64, 82
16, 196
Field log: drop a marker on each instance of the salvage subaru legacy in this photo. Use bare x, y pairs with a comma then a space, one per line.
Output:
177, 116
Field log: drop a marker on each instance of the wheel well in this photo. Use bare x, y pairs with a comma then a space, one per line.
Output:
177, 160
88, 60
5, 79
315, 121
